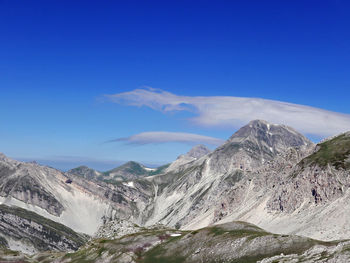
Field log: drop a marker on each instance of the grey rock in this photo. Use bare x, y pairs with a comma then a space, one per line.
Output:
33, 233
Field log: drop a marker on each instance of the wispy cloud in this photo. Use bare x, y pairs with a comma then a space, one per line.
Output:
237, 111
164, 137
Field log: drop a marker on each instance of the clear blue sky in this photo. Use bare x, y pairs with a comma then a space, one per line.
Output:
58, 59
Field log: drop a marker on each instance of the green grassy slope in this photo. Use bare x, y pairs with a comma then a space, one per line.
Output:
335, 152
232, 242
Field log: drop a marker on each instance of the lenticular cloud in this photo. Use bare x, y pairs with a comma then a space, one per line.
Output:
164, 137
236, 111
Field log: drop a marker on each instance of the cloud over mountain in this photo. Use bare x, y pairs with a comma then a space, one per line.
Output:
235, 111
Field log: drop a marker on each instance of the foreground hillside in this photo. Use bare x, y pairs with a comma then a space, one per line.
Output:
230, 242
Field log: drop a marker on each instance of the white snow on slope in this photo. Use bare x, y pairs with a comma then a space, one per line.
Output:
129, 184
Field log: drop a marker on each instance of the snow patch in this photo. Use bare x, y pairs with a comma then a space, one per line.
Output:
129, 184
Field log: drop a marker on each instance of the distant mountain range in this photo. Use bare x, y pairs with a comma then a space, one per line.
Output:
265, 174
128, 171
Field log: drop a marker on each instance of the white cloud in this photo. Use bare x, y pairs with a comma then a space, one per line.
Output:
237, 111
163, 137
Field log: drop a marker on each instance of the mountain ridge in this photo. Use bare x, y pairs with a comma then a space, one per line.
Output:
262, 174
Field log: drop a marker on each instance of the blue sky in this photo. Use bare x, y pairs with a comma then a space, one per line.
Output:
58, 60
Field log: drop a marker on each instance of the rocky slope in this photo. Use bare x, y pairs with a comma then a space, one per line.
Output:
195, 153
26, 231
220, 184
272, 177
80, 204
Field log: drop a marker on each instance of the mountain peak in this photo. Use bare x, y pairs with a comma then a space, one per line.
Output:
252, 127
195, 153
259, 122
128, 171
271, 134
84, 171
129, 165
255, 143
198, 151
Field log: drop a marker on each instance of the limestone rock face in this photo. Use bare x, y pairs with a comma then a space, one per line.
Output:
23, 182
31, 233
255, 144
234, 176
198, 151
194, 154
72, 200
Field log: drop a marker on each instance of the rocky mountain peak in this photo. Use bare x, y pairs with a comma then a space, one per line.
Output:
254, 144
195, 153
198, 151
273, 135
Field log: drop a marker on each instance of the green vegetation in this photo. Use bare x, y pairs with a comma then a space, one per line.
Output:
133, 168
116, 176
110, 181
128, 169
232, 179
237, 233
159, 253
3, 242
210, 244
159, 170
334, 152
